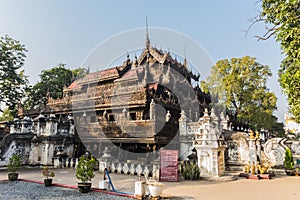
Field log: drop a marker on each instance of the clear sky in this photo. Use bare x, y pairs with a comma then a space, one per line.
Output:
66, 31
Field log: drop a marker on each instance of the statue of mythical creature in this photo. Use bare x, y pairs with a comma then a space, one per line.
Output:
262, 168
247, 167
257, 135
252, 134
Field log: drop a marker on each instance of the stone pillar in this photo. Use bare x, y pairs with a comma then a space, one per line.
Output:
39, 120
34, 153
72, 126
50, 154
26, 124
23, 128
46, 154
208, 148
51, 125
105, 160
224, 122
12, 126
185, 143
15, 126
183, 123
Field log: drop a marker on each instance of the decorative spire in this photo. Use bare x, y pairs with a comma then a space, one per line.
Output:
135, 63
185, 64
147, 35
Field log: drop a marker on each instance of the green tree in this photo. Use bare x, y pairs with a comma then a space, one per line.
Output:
240, 84
6, 115
282, 19
79, 73
12, 78
277, 130
289, 74
51, 84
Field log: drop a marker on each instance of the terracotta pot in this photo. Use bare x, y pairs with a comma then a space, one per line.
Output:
13, 176
48, 182
84, 187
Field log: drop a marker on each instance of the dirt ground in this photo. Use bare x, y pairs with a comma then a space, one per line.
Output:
278, 188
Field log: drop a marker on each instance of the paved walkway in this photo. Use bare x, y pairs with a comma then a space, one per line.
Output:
280, 187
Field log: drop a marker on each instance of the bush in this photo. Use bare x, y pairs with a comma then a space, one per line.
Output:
46, 173
288, 159
191, 171
14, 163
85, 168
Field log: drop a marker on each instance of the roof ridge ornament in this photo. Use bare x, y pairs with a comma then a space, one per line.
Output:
147, 35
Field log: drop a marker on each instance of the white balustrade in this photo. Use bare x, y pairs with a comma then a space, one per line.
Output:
119, 168
125, 169
132, 169
113, 167
139, 170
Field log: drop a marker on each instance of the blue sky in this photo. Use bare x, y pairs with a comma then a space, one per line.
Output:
66, 31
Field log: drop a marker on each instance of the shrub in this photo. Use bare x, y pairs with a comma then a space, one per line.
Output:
85, 168
191, 171
14, 163
288, 159
47, 173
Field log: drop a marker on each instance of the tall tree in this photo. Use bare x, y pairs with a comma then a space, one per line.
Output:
289, 78
12, 78
51, 84
241, 83
6, 115
282, 19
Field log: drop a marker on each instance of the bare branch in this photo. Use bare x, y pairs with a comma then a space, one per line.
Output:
253, 21
257, 2
270, 32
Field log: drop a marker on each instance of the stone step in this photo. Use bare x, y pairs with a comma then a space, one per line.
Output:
277, 171
234, 168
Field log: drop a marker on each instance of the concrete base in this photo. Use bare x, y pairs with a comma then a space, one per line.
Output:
257, 176
246, 175
253, 177
266, 176
104, 185
139, 189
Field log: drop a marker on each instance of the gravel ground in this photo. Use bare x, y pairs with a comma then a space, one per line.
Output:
25, 190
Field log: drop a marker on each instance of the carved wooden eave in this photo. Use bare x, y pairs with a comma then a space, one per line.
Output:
100, 76
154, 55
130, 75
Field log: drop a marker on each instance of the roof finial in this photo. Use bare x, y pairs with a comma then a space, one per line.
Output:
184, 61
147, 35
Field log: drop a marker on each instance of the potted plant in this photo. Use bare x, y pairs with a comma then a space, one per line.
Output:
85, 172
47, 174
289, 162
155, 188
13, 165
